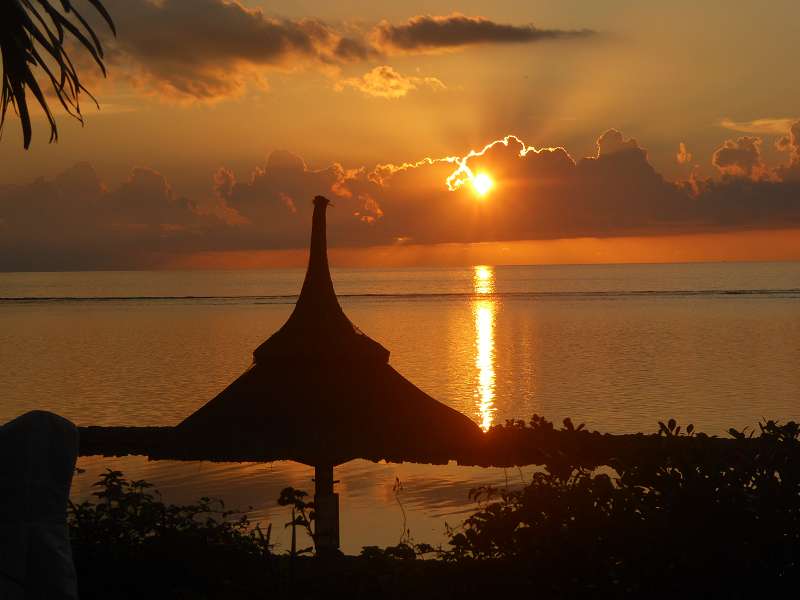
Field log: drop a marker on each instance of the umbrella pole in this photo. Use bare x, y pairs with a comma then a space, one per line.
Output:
326, 511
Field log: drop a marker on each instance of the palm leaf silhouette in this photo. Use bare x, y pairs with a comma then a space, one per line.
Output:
33, 37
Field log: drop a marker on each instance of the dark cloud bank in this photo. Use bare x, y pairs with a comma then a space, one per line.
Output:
428, 32
74, 221
208, 49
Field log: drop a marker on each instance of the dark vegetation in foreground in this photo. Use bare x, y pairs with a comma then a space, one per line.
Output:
695, 523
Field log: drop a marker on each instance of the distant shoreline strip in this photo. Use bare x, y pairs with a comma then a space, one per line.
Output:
291, 299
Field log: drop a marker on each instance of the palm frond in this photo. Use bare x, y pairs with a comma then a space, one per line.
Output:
33, 37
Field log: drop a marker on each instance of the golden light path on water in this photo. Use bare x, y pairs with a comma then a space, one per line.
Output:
483, 309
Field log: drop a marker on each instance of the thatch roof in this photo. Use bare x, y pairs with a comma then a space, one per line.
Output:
321, 391
318, 329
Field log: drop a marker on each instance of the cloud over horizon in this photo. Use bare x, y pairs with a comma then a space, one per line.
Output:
790, 143
741, 158
75, 221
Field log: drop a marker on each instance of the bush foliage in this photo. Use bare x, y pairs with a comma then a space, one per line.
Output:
128, 543
707, 523
690, 517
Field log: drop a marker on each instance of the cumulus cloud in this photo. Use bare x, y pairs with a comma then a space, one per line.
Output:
426, 32
370, 210
683, 156
741, 158
277, 188
612, 141
274, 202
76, 221
790, 143
385, 82
543, 193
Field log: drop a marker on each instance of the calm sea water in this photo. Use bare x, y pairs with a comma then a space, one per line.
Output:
617, 347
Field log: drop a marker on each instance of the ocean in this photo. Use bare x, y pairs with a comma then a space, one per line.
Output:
617, 347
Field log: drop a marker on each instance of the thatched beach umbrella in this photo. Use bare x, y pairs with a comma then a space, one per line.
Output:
321, 392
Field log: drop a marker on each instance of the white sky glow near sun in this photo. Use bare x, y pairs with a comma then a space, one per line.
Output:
482, 184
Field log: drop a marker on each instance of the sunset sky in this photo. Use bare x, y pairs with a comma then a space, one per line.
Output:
477, 132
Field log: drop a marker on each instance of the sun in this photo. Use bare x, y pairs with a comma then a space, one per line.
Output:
482, 184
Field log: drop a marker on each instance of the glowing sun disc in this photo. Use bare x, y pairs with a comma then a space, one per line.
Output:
482, 183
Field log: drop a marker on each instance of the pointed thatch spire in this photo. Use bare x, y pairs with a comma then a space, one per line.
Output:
322, 392
317, 286
318, 327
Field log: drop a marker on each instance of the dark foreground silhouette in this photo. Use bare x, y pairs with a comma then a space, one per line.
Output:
38, 451
694, 523
40, 39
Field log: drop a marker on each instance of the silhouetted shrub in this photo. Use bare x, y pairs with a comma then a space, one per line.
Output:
713, 523
129, 544
303, 516
676, 513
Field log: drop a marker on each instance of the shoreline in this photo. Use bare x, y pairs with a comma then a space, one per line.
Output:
515, 444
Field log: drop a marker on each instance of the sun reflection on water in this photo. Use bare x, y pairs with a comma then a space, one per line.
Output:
484, 310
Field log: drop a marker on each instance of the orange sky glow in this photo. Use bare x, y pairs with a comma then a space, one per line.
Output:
502, 133
774, 245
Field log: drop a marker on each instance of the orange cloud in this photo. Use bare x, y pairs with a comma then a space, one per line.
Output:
385, 82
370, 210
683, 156
742, 158
790, 143
763, 126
